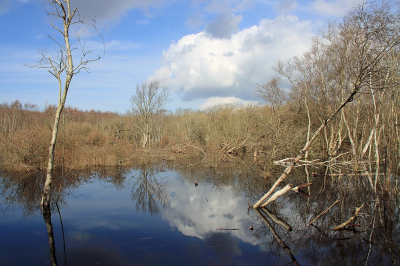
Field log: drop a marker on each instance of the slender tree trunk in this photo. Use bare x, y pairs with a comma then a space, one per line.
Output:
50, 163
62, 96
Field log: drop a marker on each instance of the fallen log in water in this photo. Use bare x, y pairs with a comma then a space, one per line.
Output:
296, 188
287, 161
278, 194
349, 220
284, 191
322, 213
296, 160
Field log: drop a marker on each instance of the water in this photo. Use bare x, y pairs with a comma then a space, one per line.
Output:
153, 215
152, 218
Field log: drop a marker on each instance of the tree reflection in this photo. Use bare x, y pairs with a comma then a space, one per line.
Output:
148, 190
343, 221
47, 220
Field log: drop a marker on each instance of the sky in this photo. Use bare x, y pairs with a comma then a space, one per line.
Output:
205, 52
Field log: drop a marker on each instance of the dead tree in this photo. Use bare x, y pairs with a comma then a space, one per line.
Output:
61, 65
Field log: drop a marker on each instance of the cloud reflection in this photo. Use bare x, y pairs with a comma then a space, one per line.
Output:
200, 211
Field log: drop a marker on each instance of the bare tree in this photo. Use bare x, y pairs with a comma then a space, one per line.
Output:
148, 101
272, 93
62, 67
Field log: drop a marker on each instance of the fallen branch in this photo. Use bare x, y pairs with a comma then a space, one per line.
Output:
238, 146
358, 174
287, 161
226, 146
325, 211
227, 229
289, 169
349, 220
278, 194
296, 188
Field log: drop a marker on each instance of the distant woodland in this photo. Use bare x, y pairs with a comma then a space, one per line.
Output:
354, 62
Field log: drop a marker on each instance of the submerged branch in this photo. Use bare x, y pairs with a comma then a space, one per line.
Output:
325, 211
349, 220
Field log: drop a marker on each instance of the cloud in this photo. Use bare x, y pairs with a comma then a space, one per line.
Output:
223, 6
143, 21
227, 15
285, 6
107, 13
334, 8
224, 26
213, 101
200, 66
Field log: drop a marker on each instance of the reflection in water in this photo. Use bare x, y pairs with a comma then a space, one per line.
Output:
148, 190
200, 211
176, 222
343, 221
47, 220
280, 241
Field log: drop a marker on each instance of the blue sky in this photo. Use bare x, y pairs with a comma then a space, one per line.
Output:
205, 51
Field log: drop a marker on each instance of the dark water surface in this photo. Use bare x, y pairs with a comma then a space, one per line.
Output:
158, 216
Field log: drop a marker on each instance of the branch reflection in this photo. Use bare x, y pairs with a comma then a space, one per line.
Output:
262, 212
47, 220
148, 190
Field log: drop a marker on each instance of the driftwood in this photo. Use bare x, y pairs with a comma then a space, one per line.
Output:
299, 191
296, 188
358, 174
287, 161
278, 194
227, 228
285, 190
322, 213
349, 220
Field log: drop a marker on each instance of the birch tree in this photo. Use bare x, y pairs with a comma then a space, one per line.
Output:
62, 66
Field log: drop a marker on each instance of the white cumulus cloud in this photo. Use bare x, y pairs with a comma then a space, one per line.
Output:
200, 66
213, 101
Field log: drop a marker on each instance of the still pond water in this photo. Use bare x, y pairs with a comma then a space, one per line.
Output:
157, 215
